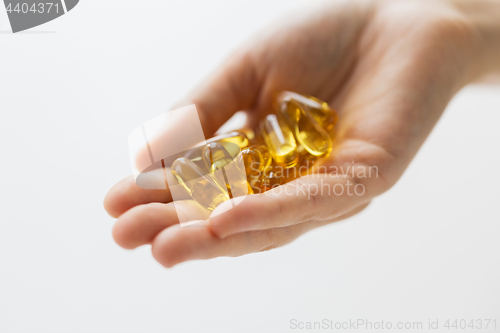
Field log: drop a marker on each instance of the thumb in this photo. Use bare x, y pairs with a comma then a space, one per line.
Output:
320, 197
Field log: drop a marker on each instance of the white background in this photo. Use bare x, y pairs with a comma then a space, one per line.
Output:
73, 89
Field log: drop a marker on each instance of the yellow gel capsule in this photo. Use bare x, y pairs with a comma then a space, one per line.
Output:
202, 188
237, 137
195, 156
307, 130
273, 176
216, 156
323, 114
266, 156
279, 140
249, 188
319, 109
225, 169
255, 183
248, 132
255, 159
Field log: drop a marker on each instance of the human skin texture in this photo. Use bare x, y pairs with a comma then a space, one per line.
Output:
388, 67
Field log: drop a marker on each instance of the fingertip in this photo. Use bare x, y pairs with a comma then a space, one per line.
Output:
177, 244
110, 205
161, 250
126, 194
141, 224
115, 200
122, 237
166, 248
125, 233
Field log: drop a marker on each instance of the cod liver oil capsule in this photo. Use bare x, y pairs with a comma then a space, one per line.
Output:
237, 137
195, 156
225, 170
272, 177
215, 156
320, 110
308, 132
255, 159
279, 140
248, 132
202, 188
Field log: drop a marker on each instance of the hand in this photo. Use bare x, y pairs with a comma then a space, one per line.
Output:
388, 67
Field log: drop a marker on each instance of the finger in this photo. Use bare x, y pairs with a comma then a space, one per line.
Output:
141, 224
175, 245
126, 194
322, 196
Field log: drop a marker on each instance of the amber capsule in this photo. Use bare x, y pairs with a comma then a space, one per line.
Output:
266, 155
319, 109
237, 137
323, 114
202, 188
195, 156
302, 168
272, 177
255, 159
255, 183
225, 169
279, 140
306, 129
248, 132
215, 156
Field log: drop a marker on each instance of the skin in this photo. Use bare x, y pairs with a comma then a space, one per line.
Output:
388, 67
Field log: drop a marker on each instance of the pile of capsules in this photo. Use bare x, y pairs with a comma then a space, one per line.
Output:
284, 147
